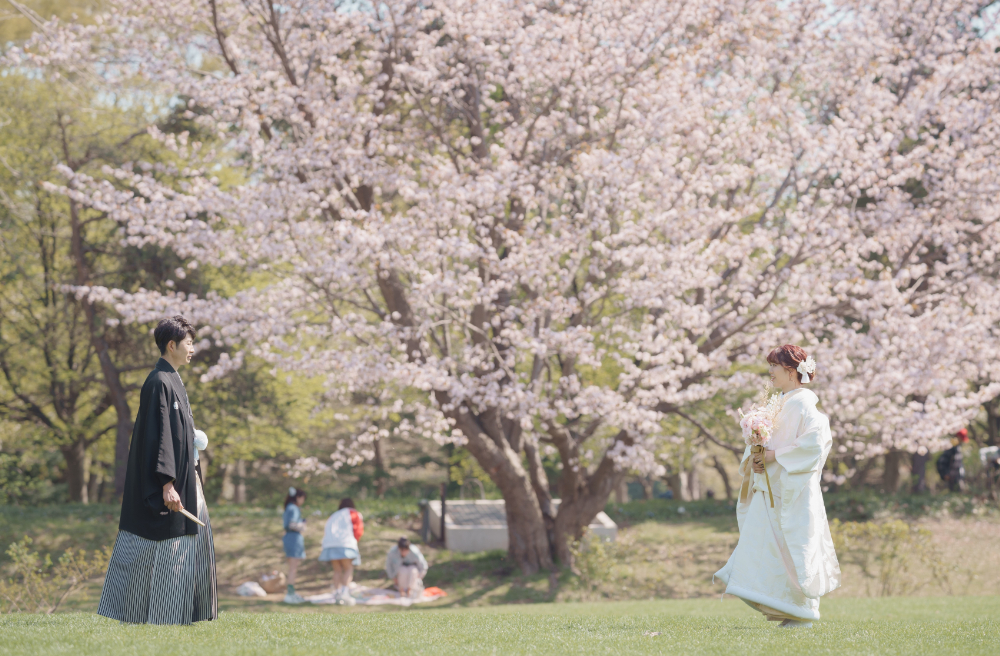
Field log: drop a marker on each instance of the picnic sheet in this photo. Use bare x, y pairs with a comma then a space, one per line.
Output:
379, 597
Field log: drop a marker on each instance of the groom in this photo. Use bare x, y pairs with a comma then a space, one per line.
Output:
162, 569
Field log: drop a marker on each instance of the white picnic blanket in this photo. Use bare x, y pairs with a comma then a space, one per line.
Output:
375, 597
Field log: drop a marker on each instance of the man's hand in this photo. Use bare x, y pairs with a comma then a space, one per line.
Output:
171, 498
758, 466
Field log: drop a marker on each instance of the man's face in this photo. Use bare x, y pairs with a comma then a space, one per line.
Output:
404, 552
184, 349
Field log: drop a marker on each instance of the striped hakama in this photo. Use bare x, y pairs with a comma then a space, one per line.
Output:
163, 582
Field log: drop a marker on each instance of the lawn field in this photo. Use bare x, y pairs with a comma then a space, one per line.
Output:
660, 553
886, 627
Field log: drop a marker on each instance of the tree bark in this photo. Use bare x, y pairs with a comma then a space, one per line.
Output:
678, 482
527, 538
75, 455
694, 483
992, 408
621, 492
228, 490
577, 511
381, 474
890, 478
112, 377
95, 479
241, 485
918, 468
861, 473
724, 476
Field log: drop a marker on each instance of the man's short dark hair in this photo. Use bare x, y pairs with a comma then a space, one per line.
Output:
403, 543
174, 329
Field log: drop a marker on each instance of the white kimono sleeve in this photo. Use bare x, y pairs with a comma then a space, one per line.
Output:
803, 515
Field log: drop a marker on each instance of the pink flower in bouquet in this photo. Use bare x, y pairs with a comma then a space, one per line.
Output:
757, 427
758, 423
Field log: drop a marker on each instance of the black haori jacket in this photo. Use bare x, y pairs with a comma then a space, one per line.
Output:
162, 450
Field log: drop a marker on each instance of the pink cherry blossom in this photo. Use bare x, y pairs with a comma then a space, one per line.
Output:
552, 225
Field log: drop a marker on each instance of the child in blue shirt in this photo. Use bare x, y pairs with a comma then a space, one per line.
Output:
295, 545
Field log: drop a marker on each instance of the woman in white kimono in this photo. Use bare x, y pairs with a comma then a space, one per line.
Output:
785, 561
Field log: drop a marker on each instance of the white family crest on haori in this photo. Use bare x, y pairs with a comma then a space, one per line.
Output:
785, 560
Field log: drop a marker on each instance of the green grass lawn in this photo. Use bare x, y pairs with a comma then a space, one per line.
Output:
888, 626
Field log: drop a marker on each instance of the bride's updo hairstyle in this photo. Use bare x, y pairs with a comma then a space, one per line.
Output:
789, 356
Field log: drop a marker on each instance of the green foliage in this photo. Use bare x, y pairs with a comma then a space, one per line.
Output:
668, 510
462, 467
845, 506
39, 586
887, 552
16, 26
594, 559
21, 481
864, 505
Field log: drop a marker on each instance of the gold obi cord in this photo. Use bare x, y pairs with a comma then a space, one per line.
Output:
744, 492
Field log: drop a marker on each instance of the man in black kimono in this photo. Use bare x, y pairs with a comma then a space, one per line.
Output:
162, 569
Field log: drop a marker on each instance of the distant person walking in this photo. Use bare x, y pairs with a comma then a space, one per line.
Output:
406, 566
340, 548
162, 568
950, 465
294, 543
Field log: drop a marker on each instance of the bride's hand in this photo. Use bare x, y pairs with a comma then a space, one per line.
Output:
756, 464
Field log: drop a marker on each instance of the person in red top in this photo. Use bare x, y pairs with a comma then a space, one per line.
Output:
340, 548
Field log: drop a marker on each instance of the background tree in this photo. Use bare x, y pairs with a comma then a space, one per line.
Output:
570, 227
65, 366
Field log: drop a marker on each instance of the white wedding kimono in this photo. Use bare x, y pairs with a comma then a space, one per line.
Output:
784, 561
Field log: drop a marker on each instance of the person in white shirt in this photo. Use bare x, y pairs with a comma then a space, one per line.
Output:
340, 548
406, 566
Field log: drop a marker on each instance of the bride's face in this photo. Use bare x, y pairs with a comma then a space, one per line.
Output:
782, 377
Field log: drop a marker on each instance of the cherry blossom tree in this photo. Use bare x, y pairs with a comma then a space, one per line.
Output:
552, 226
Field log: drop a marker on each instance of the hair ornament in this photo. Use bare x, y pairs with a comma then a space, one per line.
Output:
291, 491
806, 367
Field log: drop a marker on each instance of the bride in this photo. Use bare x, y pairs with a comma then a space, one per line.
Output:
784, 561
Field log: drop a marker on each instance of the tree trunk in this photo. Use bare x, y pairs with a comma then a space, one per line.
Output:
94, 485
678, 483
861, 473
112, 377
533, 535
621, 492
992, 422
918, 469
123, 437
75, 455
694, 483
228, 490
724, 476
381, 474
527, 537
890, 478
576, 513
648, 487
241, 485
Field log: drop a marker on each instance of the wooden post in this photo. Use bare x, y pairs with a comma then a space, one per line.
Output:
444, 487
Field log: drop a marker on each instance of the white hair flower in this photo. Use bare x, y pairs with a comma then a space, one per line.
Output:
807, 367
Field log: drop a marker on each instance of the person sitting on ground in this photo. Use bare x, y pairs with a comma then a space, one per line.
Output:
406, 566
340, 548
294, 543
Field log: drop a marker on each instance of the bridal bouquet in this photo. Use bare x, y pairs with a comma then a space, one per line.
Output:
758, 424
